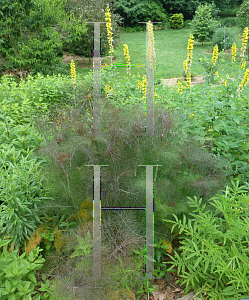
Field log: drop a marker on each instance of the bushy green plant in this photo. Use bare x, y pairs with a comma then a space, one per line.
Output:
177, 21
155, 12
21, 192
132, 11
91, 11
213, 256
28, 41
17, 275
243, 14
204, 25
224, 38
228, 22
187, 23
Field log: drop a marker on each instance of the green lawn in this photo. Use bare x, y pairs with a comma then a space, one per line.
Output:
171, 51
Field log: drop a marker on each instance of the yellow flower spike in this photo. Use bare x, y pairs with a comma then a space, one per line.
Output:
217, 74
179, 87
215, 54
144, 87
109, 28
151, 45
244, 81
243, 65
244, 43
140, 85
187, 63
225, 83
73, 72
107, 88
189, 80
127, 57
234, 50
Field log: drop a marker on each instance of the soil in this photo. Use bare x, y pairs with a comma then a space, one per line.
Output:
173, 81
85, 62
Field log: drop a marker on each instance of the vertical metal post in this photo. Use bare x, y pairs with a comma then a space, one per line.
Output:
96, 81
149, 88
149, 222
96, 223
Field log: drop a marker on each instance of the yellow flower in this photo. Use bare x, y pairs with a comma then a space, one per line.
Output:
192, 115
140, 85
217, 74
144, 87
127, 57
234, 50
109, 28
243, 65
73, 72
215, 54
151, 44
246, 78
107, 88
244, 81
225, 83
189, 80
179, 87
244, 43
188, 61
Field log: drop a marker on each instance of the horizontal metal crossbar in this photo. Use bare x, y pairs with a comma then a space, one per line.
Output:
122, 208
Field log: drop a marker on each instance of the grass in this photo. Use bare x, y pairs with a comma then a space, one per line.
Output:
171, 51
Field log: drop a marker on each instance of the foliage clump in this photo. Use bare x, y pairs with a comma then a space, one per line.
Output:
224, 38
213, 253
17, 275
243, 14
177, 21
203, 24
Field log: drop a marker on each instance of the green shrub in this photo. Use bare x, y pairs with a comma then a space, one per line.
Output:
155, 12
243, 14
21, 192
224, 38
228, 22
177, 21
187, 23
213, 255
204, 24
17, 275
94, 10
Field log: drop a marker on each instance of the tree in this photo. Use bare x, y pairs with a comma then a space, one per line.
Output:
204, 24
29, 40
188, 7
91, 11
132, 10
243, 14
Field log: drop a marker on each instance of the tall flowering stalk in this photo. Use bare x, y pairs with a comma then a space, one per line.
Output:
139, 83
244, 81
243, 49
109, 29
127, 58
215, 54
234, 50
187, 63
151, 45
144, 87
73, 77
